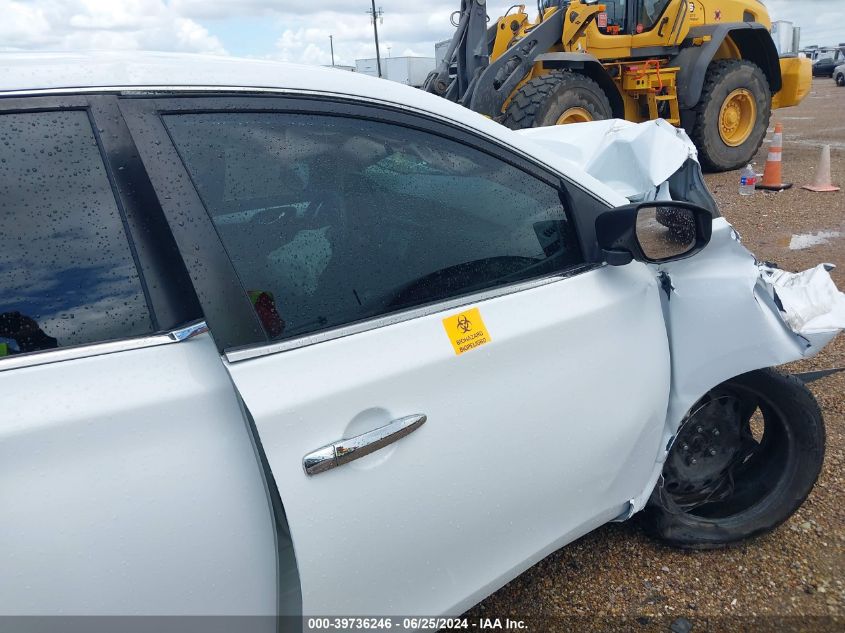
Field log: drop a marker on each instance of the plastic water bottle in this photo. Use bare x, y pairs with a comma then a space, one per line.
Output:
747, 181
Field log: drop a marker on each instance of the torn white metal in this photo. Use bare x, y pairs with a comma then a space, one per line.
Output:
810, 301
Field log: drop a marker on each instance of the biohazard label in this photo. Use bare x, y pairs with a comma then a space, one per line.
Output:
466, 330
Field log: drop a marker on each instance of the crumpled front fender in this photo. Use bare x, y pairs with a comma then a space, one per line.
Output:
722, 320
724, 317
725, 313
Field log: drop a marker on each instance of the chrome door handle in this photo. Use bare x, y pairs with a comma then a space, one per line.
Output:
344, 451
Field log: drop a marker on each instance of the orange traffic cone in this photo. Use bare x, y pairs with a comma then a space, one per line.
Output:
771, 174
822, 181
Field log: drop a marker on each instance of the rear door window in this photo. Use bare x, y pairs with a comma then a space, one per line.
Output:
67, 273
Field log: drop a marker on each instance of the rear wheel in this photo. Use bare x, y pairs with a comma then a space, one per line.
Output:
557, 98
741, 464
732, 116
840, 79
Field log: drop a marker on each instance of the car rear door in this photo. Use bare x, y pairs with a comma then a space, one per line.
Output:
129, 484
386, 281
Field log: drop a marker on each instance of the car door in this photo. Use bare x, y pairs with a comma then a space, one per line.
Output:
129, 484
823, 66
412, 288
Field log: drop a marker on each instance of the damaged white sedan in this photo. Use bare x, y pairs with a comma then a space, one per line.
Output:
279, 340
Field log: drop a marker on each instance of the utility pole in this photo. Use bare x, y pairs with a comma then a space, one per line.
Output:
331, 44
376, 16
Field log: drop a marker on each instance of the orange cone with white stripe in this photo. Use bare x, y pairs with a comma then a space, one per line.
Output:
822, 181
771, 174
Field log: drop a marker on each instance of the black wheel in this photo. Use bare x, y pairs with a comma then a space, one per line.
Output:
732, 116
741, 464
555, 99
840, 79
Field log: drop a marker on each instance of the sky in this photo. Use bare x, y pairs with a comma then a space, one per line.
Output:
287, 30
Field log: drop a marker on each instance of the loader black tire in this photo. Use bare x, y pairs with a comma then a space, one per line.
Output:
767, 484
543, 100
723, 78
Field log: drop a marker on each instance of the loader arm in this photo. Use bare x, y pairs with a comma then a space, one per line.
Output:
468, 53
467, 76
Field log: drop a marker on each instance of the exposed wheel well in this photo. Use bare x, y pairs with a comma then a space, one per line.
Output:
753, 42
758, 47
591, 68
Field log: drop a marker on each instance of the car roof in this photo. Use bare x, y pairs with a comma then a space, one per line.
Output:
27, 73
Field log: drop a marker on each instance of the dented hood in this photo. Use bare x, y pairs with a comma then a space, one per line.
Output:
635, 159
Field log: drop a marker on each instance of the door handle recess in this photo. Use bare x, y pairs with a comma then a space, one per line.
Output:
344, 451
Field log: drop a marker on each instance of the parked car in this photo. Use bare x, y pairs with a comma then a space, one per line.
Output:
287, 340
827, 60
839, 75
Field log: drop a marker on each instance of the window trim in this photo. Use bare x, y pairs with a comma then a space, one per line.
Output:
76, 352
143, 115
374, 323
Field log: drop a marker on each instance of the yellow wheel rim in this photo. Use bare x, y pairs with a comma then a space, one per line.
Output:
737, 117
574, 115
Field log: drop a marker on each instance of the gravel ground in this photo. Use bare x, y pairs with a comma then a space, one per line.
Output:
616, 578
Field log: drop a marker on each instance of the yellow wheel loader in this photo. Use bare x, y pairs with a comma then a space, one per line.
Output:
709, 66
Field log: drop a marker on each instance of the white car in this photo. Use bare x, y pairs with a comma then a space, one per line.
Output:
288, 340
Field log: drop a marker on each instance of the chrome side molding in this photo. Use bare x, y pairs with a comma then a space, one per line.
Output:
189, 331
347, 450
61, 354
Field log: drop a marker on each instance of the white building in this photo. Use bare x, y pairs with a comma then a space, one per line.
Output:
440, 49
787, 37
410, 71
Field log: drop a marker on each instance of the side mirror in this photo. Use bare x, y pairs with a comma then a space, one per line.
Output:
654, 232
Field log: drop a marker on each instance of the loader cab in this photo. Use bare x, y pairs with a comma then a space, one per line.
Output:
628, 27
632, 17
617, 18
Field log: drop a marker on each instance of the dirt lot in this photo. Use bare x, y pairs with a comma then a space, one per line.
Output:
793, 579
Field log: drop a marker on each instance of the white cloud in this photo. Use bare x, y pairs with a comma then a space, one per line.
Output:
299, 31
101, 24
23, 25
820, 20
405, 31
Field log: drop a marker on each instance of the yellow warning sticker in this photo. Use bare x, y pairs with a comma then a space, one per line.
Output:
466, 330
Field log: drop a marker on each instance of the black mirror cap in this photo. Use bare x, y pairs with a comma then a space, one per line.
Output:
616, 231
